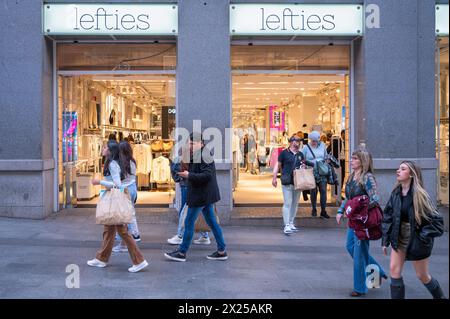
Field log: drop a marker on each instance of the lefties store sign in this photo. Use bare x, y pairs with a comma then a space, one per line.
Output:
110, 19
300, 19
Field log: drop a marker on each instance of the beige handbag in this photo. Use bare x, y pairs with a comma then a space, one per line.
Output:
114, 208
201, 225
304, 179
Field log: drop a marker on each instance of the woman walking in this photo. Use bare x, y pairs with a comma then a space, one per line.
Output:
115, 172
315, 152
126, 157
360, 182
410, 223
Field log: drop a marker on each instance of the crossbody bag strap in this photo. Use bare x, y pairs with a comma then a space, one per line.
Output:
311, 151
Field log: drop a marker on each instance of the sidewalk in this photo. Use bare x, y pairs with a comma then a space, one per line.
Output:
263, 263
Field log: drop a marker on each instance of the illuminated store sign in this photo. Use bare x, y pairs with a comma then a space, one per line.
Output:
442, 19
110, 19
300, 19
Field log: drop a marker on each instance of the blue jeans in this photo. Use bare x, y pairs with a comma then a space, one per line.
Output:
210, 218
359, 250
180, 230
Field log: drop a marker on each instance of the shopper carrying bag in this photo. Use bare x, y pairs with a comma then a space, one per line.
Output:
115, 211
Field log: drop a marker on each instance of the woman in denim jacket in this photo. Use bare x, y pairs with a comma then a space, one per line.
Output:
360, 182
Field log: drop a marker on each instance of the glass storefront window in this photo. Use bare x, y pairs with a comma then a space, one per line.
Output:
112, 56
290, 57
442, 121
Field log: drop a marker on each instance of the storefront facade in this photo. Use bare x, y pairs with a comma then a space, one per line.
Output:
388, 76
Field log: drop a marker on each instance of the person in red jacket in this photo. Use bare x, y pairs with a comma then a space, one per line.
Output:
361, 182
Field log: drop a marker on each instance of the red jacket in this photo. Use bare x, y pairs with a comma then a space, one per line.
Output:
364, 221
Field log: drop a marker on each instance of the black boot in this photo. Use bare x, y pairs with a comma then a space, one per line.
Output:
397, 288
435, 289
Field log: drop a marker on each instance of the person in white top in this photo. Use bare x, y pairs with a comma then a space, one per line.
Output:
126, 156
115, 172
314, 152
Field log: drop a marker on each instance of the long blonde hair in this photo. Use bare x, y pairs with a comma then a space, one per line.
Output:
423, 205
366, 165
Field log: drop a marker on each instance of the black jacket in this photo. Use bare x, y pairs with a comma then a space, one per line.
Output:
422, 236
202, 182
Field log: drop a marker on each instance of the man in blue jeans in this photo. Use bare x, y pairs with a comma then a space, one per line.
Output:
202, 193
175, 167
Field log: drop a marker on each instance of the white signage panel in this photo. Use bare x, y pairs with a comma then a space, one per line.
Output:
442, 19
297, 19
110, 19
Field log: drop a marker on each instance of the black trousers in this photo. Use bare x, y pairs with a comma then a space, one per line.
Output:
322, 188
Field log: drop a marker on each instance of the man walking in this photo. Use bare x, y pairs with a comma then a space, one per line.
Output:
288, 160
202, 193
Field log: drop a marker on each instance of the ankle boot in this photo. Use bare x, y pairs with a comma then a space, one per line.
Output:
397, 288
435, 289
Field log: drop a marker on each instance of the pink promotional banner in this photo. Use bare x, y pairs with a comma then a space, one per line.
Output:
276, 118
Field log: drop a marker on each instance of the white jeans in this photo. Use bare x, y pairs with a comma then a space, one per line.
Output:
290, 205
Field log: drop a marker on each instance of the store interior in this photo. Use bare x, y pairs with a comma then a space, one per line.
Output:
443, 123
94, 109
267, 110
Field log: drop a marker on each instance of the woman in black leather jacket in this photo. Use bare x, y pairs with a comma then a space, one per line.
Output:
410, 223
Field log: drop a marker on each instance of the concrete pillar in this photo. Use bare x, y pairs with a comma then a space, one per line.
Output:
394, 90
204, 78
26, 141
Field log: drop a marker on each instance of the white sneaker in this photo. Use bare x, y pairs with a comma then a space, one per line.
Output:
202, 241
120, 249
287, 229
139, 267
293, 228
96, 263
175, 240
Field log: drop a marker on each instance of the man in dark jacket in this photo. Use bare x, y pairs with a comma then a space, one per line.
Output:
202, 193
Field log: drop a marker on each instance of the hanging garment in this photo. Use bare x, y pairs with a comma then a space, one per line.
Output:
160, 170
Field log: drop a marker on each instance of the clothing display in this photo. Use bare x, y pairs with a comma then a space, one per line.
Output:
143, 155
160, 170
93, 111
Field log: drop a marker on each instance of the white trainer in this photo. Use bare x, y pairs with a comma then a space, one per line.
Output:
287, 229
293, 228
139, 267
175, 240
202, 241
120, 249
96, 263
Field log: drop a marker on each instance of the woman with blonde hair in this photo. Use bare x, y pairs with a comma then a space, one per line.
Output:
410, 223
360, 182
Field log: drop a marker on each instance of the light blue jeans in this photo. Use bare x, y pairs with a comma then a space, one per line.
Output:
359, 250
180, 230
133, 227
290, 203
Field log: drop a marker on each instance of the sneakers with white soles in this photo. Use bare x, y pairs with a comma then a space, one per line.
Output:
202, 241
139, 267
175, 240
287, 230
96, 263
120, 249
